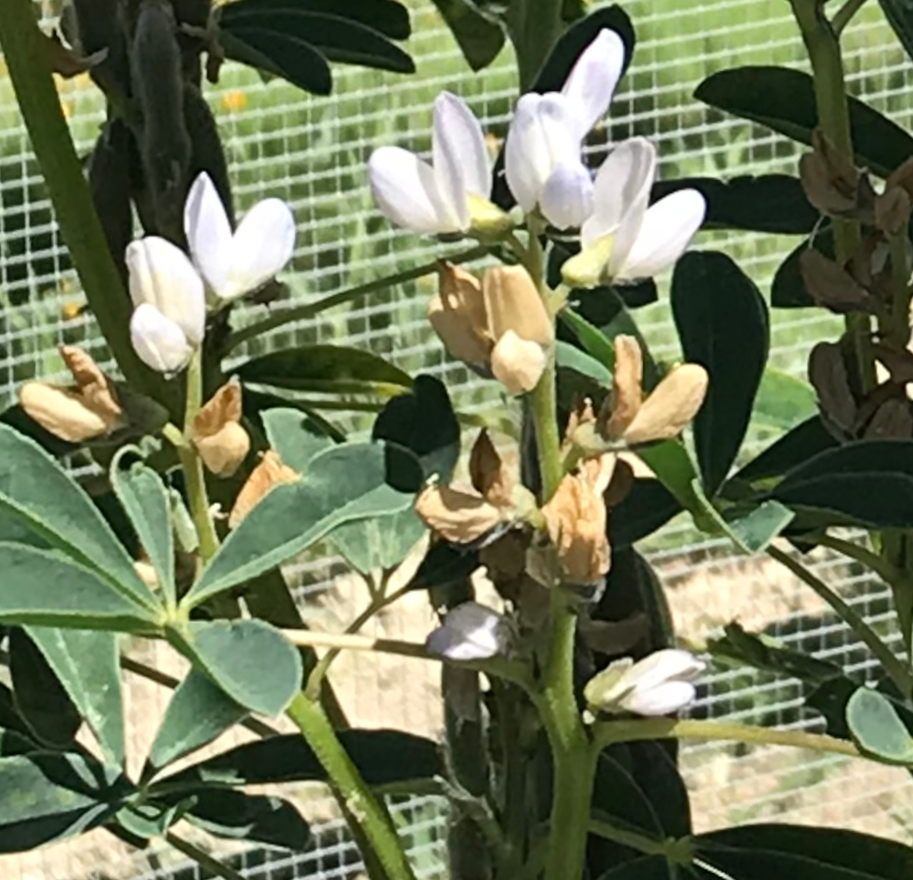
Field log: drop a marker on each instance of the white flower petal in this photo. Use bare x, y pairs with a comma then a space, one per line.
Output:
459, 152
162, 274
406, 191
469, 632
663, 699
621, 192
667, 230
263, 243
567, 199
208, 231
592, 81
159, 341
663, 665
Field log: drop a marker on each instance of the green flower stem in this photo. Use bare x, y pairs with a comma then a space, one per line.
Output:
607, 733
192, 464
369, 813
823, 45
202, 858
631, 839
27, 58
845, 14
309, 310
893, 667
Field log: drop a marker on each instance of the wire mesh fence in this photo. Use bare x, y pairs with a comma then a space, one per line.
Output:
312, 152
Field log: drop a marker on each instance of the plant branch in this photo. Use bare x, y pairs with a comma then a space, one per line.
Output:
309, 310
202, 858
27, 58
608, 733
892, 665
602, 827
845, 14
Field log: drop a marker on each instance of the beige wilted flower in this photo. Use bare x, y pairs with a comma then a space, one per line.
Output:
270, 472
87, 410
576, 517
498, 325
217, 434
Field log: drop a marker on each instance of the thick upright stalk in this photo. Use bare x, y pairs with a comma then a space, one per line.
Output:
371, 816
27, 59
823, 47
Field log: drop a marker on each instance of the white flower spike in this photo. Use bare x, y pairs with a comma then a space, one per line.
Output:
543, 154
626, 239
170, 304
435, 199
234, 264
470, 632
660, 684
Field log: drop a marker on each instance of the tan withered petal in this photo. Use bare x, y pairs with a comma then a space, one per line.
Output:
96, 388
575, 519
513, 303
459, 517
217, 434
829, 377
270, 472
517, 363
489, 475
671, 406
457, 315
892, 210
62, 412
829, 285
627, 385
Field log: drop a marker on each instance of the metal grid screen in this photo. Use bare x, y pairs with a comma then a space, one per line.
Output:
312, 152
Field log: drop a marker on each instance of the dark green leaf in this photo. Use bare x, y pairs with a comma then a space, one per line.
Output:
647, 507
899, 14
673, 467
142, 494
234, 654
36, 492
591, 339
383, 757
870, 483
46, 588
774, 203
722, 322
620, 798
569, 357
12, 743
444, 564
783, 401
386, 16
198, 712
46, 797
752, 532
349, 482
480, 39
295, 436
39, 697
326, 369
788, 289
236, 815
784, 100
644, 868
87, 663
877, 728
274, 53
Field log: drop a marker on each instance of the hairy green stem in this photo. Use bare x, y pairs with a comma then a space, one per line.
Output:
370, 815
202, 858
823, 46
892, 665
28, 61
607, 733
309, 310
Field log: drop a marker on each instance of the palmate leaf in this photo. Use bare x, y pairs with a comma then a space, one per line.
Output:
295, 39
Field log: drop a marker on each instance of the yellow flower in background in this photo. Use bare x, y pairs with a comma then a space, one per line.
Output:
234, 101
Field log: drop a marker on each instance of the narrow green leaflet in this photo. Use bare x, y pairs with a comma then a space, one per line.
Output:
36, 492
47, 588
480, 39
235, 655
198, 712
673, 467
87, 663
877, 728
295, 436
899, 14
143, 496
784, 100
569, 357
352, 481
722, 322
593, 341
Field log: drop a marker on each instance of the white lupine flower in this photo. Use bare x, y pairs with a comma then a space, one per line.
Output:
660, 684
470, 632
435, 199
234, 264
626, 239
544, 142
170, 304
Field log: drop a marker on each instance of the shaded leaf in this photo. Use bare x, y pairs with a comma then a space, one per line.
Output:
784, 100
388, 17
783, 401
295, 436
570, 357
274, 53
480, 39
788, 290
721, 320
877, 729
444, 564
647, 507
899, 14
